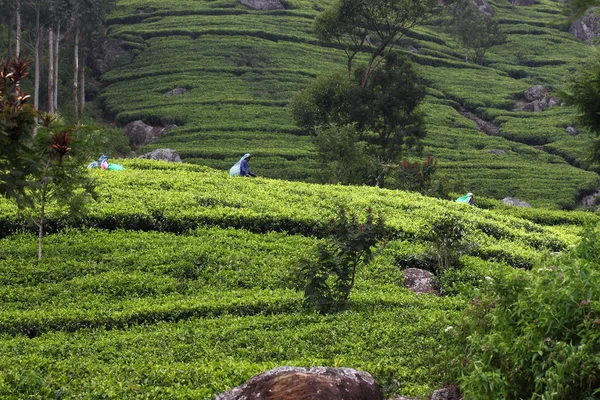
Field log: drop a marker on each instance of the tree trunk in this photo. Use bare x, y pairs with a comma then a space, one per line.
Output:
38, 44
82, 85
56, 43
9, 52
41, 229
76, 75
17, 28
51, 70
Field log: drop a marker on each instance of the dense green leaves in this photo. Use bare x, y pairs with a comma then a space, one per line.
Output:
534, 336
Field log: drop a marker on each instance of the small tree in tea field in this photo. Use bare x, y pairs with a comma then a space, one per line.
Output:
449, 233
60, 185
40, 172
350, 243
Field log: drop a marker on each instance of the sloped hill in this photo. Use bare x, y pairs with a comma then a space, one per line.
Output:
241, 68
181, 284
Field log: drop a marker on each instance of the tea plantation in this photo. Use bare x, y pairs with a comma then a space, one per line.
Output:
241, 68
179, 283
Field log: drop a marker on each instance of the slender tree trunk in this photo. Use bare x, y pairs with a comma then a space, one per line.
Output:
17, 28
41, 227
56, 47
82, 84
76, 76
38, 45
51, 70
9, 53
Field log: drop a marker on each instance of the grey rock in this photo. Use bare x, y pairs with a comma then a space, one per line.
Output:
535, 92
316, 383
450, 393
511, 201
140, 134
534, 106
176, 92
168, 155
484, 6
412, 49
497, 152
538, 147
419, 281
590, 200
586, 27
263, 4
571, 131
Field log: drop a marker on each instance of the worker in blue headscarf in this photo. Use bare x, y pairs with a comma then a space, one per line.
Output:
241, 168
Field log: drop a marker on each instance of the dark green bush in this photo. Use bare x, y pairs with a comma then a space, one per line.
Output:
534, 335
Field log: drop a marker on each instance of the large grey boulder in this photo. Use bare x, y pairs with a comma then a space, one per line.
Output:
168, 155
419, 281
586, 27
590, 200
535, 92
539, 99
316, 383
263, 4
140, 134
511, 201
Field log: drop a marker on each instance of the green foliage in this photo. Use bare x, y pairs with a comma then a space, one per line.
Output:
584, 94
476, 30
382, 115
17, 122
344, 158
328, 280
418, 177
534, 335
449, 233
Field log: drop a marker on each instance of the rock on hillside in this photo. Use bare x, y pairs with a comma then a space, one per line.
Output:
586, 27
168, 155
140, 134
263, 4
316, 383
511, 201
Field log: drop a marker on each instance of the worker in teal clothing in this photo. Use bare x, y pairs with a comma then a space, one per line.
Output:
468, 199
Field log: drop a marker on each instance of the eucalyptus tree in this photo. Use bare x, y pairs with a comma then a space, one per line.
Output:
86, 23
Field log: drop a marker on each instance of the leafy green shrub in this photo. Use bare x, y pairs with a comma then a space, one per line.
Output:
327, 281
534, 335
449, 233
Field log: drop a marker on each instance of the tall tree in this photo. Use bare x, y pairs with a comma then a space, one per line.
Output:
475, 30
353, 24
17, 28
384, 114
86, 23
